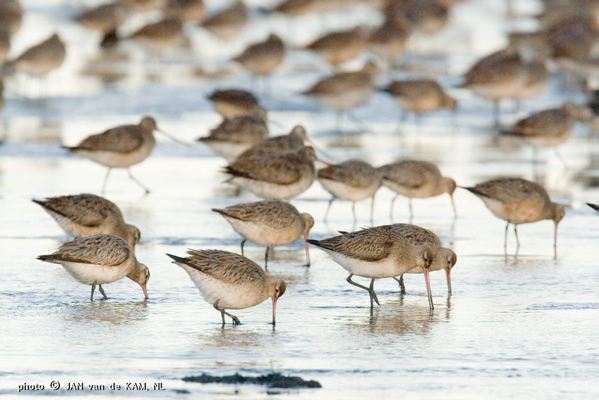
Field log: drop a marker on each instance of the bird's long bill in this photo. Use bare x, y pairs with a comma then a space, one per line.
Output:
307, 245
320, 150
428, 288
448, 276
171, 137
143, 287
274, 310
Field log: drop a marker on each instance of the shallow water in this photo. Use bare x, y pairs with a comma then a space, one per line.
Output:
515, 327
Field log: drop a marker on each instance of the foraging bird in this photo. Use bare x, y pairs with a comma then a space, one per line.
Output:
227, 23
519, 201
100, 259
339, 47
264, 57
420, 96
86, 214
120, 147
269, 223
235, 135
40, 59
416, 179
230, 281
345, 90
352, 180
292, 142
275, 176
377, 253
232, 103
159, 36
443, 258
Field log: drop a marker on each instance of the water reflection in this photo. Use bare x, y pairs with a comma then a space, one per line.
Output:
403, 316
106, 311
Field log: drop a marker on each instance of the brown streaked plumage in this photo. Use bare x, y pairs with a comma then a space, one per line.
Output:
275, 176
104, 18
269, 223
345, 90
339, 47
352, 180
495, 77
233, 102
420, 96
389, 40
86, 214
518, 201
295, 8
233, 136
185, 10
42, 58
230, 281
416, 179
120, 147
546, 128
376, 253
227, 23
443, 258
11, 16
99, 259
264, 57
160, 36
292, 142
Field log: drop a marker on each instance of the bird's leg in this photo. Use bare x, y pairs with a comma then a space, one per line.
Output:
369, 290
372, 211
102, 291
402, 285
93, 288
455, 211
353, 210
411, 211
373, 294
505, 238
392, 204
223, 313
242, 243
328, 208
266, 258
496, 112
516, 233
138, 182
106, 180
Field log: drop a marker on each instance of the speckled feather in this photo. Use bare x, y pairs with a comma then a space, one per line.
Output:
411, 173
121, 139
106, 250
273, 213
83, 209
354, 173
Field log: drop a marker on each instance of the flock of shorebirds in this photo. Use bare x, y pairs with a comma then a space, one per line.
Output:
280, 168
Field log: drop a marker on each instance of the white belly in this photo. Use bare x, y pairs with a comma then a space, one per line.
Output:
347, 192
97, 274
266, 235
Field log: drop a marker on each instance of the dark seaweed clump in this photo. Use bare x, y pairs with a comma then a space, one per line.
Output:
273, 380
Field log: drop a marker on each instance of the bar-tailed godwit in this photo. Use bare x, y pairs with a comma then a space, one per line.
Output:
420, 96
292, 142
443, 257
42, 58
519, 201
227, 23
87, 215
352, 180
235, 135
99, 259
230, 281
120, 147
264, 57
269, 223
233, 102
339, 47
275, 176
376, 253
416, 179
